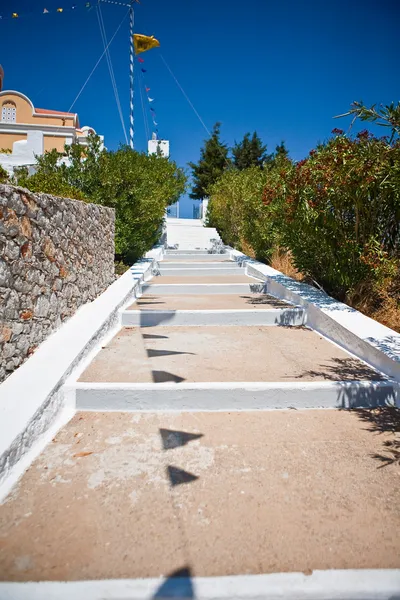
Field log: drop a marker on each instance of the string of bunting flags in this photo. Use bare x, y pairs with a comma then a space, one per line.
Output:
143, 43
61, 9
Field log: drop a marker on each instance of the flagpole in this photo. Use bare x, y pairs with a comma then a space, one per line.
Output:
131, 64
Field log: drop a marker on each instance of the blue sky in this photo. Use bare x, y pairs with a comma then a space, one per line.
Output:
281, 68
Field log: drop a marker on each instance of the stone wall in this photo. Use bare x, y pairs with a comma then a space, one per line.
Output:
55, 255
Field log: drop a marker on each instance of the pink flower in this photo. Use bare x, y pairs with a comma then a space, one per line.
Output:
363, 135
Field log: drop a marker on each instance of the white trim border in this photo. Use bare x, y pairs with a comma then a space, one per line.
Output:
34, 397
335, 584
232, 396
367, 339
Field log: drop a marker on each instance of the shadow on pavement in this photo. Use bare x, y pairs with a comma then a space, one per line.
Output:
344, 369
165, 376
265, 299
384, 419
178, 476
152, 353
175, 439
177, 585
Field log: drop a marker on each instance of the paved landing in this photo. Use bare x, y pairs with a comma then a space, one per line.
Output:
121, 495
196, 354
198, 260
209, 302
203, 279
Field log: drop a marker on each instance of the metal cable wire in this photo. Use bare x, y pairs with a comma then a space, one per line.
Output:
97, 63
111, 69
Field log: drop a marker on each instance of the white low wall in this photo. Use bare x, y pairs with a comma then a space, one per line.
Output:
33, 398
338, 584
376, 344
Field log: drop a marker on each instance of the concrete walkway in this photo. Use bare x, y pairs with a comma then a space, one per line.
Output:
175, 462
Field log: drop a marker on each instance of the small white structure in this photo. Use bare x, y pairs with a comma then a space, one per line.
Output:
24, 151
154, 146
204, 209
190, 234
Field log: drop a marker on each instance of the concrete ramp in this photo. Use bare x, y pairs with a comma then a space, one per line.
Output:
189, 234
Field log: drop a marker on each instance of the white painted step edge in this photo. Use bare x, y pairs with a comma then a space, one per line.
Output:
335, 584
203, 288
287, 317
194, 253
189, 271
194, 264
232, 396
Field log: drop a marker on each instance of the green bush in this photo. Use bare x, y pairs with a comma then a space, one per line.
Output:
340, 212
237, 211
337, 212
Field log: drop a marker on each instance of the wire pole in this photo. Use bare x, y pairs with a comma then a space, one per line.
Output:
131, 64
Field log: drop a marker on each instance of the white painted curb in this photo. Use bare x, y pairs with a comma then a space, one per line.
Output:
196, 255
33, 397
369, 340
226, 263
203, 288
348, 584
199, 271
263, 317
231, 396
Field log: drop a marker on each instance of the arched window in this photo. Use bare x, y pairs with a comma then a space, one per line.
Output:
8, 112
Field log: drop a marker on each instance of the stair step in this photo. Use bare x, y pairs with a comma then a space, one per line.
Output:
268, 317
203, 288
195, 255
197, 271
231, 396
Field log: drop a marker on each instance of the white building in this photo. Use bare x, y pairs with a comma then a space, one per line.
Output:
154, 146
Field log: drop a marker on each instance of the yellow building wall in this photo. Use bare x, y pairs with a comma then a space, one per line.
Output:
51, 142
7, 139
24, 113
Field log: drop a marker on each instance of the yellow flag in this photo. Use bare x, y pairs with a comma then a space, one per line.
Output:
144, 42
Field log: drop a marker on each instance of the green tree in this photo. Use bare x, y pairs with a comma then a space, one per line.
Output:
51, 177
3, 175
138, 186
281, 152
250, 152
213, 162
385, 116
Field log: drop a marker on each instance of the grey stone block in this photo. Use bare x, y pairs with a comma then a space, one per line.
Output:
8, 350
41, 307
11, 250
16, 203
5, 273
